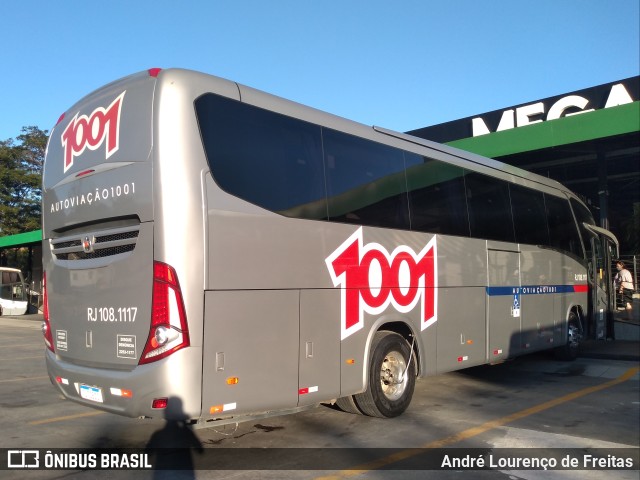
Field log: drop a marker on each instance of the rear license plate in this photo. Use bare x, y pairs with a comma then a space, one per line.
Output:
91, 393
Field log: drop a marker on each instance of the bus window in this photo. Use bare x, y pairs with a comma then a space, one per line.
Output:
583, 215
265, 158
529, 216
562, 227
436, 196
489, 207
366, 181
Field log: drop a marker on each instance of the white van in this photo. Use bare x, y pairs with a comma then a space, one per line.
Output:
13, 292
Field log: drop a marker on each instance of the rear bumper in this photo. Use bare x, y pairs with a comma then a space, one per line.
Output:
177, 378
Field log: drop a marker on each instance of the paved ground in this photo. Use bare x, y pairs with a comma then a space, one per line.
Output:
534, 403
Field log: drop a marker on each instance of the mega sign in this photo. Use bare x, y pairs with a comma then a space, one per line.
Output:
563, 107
370, 279
92, 131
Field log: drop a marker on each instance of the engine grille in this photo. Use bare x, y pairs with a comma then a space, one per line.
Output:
99, 244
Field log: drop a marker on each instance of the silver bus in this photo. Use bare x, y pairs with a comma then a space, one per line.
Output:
217, 253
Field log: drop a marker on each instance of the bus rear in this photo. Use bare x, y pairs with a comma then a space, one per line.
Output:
115, 323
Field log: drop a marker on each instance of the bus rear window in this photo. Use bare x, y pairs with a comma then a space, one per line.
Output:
265, 158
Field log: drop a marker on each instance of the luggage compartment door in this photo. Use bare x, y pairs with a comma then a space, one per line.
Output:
251, 336
503, 304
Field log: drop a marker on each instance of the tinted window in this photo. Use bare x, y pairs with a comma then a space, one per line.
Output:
489, 207
529, 215
436, 196
365, 181
10, 277
583, 215
562, 227
268, 159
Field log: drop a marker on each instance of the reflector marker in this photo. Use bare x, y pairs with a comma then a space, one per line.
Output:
222, 408
159, 403
121, 392
304, 391
86, 172
497, 351
463, 359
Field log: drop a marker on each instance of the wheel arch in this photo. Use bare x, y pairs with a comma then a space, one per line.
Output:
579, 311
388, 391
402, 327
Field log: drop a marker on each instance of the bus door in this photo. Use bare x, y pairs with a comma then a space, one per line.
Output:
503, 303
604, 247
599, 294
603, 293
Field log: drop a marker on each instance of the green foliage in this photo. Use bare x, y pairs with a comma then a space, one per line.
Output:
20, 181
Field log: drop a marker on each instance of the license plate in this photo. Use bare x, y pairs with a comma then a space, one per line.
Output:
91, 393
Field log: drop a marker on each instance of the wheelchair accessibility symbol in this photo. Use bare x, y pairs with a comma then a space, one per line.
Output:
515, 308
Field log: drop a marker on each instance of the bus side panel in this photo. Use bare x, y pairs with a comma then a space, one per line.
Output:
319, 346
251, 336
461, 328
568, 270
537, 310
503, 312
251, 248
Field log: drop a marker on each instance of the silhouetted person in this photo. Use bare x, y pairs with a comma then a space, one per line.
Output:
172, 445
624, 284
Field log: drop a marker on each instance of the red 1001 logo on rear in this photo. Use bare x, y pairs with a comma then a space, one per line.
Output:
91, 132
370, 279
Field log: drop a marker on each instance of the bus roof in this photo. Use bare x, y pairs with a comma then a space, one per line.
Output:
287, 107
9, 269
475, 158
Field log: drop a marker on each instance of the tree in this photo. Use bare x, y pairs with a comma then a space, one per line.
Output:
21, 180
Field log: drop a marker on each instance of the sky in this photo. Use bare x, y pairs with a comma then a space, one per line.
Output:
399, 64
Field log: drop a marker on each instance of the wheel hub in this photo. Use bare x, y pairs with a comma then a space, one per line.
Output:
393, 378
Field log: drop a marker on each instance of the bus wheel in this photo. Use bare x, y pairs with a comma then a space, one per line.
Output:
348, 404
569, 351
392, 377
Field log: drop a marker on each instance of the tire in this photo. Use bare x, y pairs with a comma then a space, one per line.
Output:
348, 404
391, 375
569, 351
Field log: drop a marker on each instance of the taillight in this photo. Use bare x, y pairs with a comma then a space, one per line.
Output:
169, 331
46, 326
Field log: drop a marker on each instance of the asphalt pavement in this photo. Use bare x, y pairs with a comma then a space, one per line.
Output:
626, 342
